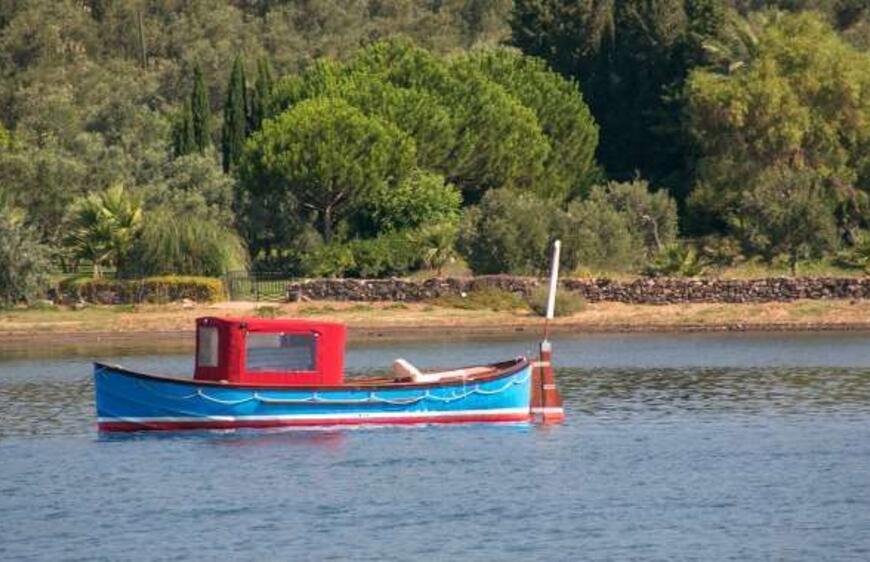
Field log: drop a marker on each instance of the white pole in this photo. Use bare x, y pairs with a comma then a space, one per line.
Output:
554, 279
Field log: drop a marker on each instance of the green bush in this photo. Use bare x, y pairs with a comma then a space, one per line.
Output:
676, 260
173, 288
150, 289
328, 260
567, 302
390, 255
509, 232
595, 235
23, 261
857, 255
651, 216
169, 244
384, 256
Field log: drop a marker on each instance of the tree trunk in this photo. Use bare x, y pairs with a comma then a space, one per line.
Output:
327, 225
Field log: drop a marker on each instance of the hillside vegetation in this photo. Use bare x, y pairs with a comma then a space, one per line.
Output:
371, 138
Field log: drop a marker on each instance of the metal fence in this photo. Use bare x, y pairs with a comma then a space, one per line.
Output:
257, 286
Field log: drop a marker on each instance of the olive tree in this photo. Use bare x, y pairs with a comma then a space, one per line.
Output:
23, 260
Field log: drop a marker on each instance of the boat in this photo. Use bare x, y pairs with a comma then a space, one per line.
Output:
266, 373
263, 373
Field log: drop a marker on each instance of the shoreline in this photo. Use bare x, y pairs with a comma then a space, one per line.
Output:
174, 323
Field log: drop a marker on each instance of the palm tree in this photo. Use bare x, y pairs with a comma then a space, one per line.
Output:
437, 244
102, 227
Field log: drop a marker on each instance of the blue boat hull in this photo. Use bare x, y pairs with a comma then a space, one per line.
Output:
130, 401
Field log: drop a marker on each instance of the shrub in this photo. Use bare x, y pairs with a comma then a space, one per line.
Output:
328, 260
150, 289
567, 302
595, 235
384, 256
23, 261
651, 216
509, 232
674, 260
856, 256
175, 245
173, 288
389, 255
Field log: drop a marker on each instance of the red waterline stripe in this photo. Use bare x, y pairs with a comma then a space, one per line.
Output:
114, 426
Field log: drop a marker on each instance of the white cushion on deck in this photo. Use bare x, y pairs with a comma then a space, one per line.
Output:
403, 369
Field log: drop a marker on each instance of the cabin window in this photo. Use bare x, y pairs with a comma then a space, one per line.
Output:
207, 346
280, 352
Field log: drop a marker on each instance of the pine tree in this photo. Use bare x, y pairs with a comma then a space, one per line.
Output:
235, 116
261, 100
182, 132
200, 111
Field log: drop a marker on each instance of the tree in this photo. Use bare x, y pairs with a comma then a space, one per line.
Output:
235, 116
192, 186
328, 156
630, 58
438, 245
102, 226
183, 142
23, 260
200, 110
467, 126
562, 114
261, 100
787, 212
801, 103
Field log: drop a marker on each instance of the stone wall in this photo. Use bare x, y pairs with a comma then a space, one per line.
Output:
640, 291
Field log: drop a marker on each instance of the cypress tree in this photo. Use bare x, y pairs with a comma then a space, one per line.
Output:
200, 111
261, 100
182, 132
235, 116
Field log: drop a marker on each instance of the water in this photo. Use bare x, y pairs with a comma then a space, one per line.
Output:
676, 447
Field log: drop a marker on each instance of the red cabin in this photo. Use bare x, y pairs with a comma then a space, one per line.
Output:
269, 352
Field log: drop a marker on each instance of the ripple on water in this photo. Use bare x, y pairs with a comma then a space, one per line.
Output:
671, 462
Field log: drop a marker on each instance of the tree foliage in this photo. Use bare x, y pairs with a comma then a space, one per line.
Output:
630, 58
508, 232
787, 213
200, 111
102, 226
236, 116
802, 104
170, 244
490, 120
24, 261
329, 157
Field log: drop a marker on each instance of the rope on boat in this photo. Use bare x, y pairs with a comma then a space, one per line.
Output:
372, 397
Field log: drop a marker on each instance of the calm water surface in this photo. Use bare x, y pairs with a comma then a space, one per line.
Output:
676, 447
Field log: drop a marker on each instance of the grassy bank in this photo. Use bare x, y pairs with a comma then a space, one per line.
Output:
428, 320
